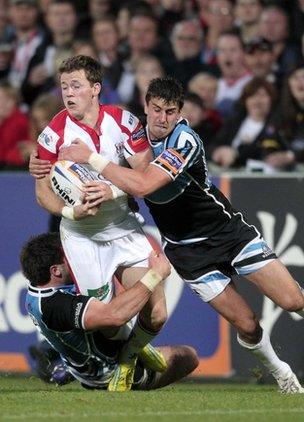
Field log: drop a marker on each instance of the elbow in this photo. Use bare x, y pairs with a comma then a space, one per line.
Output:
142, 191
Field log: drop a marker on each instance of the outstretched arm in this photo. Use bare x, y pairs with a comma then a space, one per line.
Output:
125, 306
139, 182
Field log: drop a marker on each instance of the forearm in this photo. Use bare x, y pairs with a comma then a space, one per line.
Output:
119, 311
47, 199
131, 181
134, 182
124, 306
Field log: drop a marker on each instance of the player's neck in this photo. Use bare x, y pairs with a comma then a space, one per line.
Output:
91, 118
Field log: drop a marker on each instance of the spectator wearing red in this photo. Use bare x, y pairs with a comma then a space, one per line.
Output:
14, 128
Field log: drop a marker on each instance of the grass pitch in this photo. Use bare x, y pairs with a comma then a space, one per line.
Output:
30, 399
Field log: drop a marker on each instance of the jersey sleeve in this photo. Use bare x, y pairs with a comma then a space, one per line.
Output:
179, 154
64, 312
47, 144
136, 139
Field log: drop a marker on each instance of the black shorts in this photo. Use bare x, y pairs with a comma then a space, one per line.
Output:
237, 249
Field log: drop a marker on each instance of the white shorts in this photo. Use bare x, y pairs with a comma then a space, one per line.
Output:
93, 263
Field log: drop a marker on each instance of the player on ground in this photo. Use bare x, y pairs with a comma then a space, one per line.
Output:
205, 238
99, 242
73, 323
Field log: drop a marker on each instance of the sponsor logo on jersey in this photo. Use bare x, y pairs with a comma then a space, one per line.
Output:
266, 250
138, 135
101, 292
171, 160
48, 139
131, 119
45, 138
77, 313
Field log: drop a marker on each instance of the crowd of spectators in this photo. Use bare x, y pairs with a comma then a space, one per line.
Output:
241, 63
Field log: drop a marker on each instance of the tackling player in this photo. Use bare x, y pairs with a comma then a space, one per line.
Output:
206, 239
73, 323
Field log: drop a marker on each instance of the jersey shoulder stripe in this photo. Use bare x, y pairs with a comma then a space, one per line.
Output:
182, 148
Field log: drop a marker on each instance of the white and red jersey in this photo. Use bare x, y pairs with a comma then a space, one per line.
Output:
119, 135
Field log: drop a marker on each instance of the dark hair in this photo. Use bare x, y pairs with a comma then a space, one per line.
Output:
70, 2
254, 85
233, 33
289, 106
167, 89
91, 67
195, 99
38, 254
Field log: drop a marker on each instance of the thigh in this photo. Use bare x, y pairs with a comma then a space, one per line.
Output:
232, 306
157, 301
133, 250
91, 265
276, 282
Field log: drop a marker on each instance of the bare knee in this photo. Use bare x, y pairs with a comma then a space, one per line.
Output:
155, 318
249, 329
158, 317
293, 302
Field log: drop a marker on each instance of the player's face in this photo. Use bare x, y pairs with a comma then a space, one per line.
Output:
79, 96
161, 117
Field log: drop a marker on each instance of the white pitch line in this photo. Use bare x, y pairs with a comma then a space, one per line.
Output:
147, 414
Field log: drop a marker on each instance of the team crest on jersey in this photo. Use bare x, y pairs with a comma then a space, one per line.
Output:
99, 293
171, 160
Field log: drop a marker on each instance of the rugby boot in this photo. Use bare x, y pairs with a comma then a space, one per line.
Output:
152, 358
289, 384
123, 376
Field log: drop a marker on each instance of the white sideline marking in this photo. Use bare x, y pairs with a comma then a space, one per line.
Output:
153, 414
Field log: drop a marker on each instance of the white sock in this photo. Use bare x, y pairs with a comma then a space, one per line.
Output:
138, 339
123, 333
301, 313
265, 353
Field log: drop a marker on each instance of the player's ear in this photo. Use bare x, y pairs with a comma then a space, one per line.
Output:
56, 270
96, 89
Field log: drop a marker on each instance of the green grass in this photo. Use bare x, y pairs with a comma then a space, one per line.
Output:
30, 399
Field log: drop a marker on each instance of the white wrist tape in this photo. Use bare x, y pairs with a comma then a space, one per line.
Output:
98, 162
151, 279
117, 193
68, 212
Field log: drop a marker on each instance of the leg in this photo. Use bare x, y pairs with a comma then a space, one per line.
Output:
181, 361
154, 314
275, 281
150, 320
234, 308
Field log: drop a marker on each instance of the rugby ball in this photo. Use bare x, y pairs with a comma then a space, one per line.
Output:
67, 179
